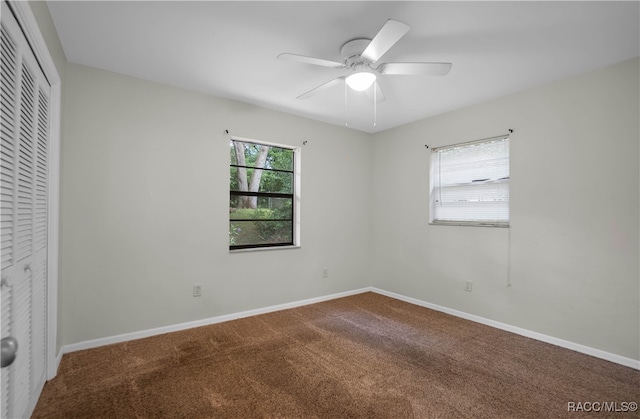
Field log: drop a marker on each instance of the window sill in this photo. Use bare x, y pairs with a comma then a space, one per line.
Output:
261, 249
469, 224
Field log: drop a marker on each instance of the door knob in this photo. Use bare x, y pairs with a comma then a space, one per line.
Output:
9, 350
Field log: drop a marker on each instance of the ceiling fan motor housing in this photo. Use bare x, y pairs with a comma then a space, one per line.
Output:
352, 50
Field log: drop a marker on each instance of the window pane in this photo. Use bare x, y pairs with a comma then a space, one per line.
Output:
247, 233
481, 212
258, 155
280, 159
473, 163
470, 182
480, 192
261, 203
232, 152
245, 207
243, 179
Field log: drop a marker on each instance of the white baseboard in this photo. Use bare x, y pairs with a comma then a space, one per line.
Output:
608, 356
204, 322
628, 362
54, 370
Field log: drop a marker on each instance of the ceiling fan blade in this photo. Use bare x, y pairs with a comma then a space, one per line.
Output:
380, 97
310, 60
426, 69
322, 87
390, 33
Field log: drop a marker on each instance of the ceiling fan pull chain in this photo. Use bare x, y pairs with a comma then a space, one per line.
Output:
345, 106
375, 103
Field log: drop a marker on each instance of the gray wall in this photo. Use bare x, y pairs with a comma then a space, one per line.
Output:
574, 213
145, 208
45, 23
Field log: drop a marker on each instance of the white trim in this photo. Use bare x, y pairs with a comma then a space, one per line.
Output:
469, 223
297, 204
597, 353
58, 357
29, 25
261, 142
89, 344
53, 233
608, 356
32, 404
466, 143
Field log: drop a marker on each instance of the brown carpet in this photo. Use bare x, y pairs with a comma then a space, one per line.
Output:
365, 356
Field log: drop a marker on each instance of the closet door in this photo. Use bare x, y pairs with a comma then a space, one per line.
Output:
24, 138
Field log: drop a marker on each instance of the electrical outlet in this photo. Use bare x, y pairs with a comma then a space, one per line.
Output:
325, 273
468, 286
197, 290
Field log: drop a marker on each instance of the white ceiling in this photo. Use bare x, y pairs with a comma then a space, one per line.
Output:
229, 49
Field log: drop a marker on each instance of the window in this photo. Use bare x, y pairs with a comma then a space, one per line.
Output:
470, 183
262, 195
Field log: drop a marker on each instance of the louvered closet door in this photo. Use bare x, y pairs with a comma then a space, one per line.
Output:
24, 139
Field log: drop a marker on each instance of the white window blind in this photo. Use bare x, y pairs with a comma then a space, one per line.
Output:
470, 183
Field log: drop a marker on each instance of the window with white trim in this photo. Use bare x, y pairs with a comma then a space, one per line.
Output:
470, 183
262, 195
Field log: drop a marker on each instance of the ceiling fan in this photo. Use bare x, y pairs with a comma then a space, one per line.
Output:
360, 56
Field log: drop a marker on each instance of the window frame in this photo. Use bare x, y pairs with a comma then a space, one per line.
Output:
432, 186
294, 196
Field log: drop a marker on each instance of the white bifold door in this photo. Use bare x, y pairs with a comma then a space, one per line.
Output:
24, 155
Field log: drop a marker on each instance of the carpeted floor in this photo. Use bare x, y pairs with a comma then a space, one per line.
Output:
364, 356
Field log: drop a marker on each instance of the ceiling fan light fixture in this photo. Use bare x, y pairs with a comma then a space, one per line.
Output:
360, 81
